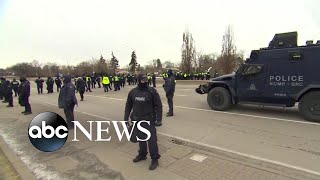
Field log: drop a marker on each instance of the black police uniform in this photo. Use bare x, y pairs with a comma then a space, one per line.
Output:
169, 88
154, 80
1, 88
15, 86
81, 87
9, 94
145, 104
58, 83
24, 96
67, 100
39, 83
50, 83
98, 79
4, 91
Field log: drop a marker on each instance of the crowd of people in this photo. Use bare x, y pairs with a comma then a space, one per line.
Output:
192, 76
143, 102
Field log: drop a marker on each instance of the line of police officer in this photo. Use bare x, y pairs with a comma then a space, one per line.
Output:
21, 89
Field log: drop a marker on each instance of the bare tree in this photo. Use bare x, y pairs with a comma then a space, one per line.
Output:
227, 60
188, 52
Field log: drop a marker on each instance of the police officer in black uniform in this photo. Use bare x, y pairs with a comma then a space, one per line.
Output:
58, 83
4, 90
39, 83
24, 96
15, 86
169, 88
67, 100
50, 83
2, 82
9, 94
145, 103
154, 80
81, 87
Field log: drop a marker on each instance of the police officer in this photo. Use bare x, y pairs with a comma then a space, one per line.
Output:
93, 81
149, 79
9, 94
1, 88
50, 83
15, 86
39, 83
24, 96
98, 79
67, 100
116, 82
81, 87
88, 81
154, 80
58, 83
145, 103
4, 90
169, 88
106, 83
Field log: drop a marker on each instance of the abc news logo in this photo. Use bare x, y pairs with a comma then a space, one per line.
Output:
48, 131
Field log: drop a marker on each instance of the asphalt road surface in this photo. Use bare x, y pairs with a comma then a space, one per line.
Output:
269, 134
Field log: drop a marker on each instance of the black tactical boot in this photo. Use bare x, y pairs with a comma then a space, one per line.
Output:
27, 113
139, 158
154, 164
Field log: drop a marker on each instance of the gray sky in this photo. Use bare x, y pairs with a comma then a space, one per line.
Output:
76, 30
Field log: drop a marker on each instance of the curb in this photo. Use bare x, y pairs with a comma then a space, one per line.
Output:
256, 162
17, 164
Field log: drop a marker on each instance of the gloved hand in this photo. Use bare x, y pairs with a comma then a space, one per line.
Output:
158, 123
162, 85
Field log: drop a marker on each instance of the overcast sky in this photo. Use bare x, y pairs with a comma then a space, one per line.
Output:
72, 31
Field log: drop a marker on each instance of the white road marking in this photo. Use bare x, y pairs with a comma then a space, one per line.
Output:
215, 147
222, 112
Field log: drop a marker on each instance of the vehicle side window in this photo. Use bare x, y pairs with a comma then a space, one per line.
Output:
251, 69
295, 55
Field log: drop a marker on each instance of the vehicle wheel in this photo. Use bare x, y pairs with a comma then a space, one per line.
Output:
309, 106
219, 99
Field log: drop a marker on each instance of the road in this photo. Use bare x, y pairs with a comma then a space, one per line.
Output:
273, 135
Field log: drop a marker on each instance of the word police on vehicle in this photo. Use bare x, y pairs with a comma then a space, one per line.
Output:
286, 80
48, 131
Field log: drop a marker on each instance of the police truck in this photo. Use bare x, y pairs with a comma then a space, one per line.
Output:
283, 74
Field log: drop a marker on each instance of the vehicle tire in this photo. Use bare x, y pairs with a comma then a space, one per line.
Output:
309, 106
219, 99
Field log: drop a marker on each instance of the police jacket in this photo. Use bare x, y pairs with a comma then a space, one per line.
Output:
145, 104
105, 80
81, 84
39, 82
25, 89
15, 84
9, 91
170, 85
67, 95
58, 81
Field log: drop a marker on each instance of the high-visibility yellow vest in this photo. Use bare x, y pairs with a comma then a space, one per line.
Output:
116, 78
185, 75
105, 80
88, 79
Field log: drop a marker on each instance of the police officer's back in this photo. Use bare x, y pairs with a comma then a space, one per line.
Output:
145, 104
15, 86
9, 93
169, 88
81, 87
24, 95
67, 99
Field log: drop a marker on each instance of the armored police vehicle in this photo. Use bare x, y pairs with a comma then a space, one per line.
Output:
280, 75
